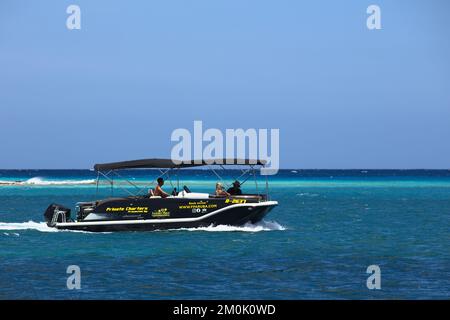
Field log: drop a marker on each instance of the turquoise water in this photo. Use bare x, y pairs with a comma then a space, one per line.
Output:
317, 244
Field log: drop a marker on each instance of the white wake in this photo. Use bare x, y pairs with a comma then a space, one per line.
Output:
30, 225
248, 227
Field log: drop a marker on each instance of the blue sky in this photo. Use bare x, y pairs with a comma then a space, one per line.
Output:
342, 96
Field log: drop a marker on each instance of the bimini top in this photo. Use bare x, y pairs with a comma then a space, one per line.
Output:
168, 163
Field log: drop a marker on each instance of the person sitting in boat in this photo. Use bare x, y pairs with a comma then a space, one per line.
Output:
219, 190
235, 190
159, 192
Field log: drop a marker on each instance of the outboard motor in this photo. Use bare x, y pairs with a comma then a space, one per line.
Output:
56, 213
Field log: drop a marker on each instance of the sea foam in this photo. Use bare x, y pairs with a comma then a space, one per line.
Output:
248, 227
32, 225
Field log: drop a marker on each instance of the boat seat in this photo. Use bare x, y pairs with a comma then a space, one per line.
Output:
192, 195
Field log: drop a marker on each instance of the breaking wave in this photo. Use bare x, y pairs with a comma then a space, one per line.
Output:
38, 181
248, 227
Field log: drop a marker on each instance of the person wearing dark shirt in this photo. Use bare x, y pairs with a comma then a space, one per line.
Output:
235, 190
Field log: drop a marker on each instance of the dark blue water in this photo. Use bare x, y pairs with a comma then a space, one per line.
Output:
317, 244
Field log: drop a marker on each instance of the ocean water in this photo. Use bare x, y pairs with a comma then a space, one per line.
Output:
330, 225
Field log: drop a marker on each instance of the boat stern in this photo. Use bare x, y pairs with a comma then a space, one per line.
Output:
56, 213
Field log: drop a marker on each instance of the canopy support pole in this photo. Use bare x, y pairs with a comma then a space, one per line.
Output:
218, 176
256, 180
112, 186
111, 181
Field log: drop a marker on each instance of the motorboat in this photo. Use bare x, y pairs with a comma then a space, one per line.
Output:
142, 211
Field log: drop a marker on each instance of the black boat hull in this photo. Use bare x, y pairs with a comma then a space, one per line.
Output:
233, 215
